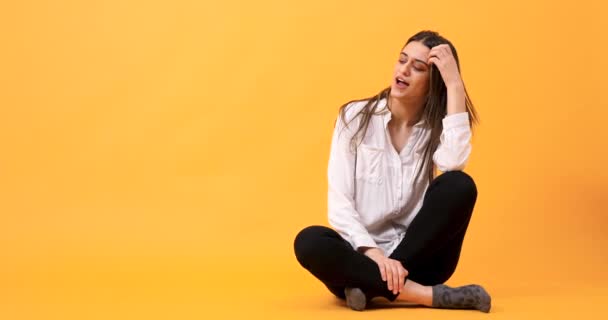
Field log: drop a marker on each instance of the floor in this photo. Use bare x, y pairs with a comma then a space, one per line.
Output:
184, 289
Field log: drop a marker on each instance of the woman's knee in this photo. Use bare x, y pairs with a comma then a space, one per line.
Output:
308, 241
459, 182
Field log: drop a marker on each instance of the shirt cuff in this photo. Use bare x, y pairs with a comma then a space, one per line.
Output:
363, 241
456, 120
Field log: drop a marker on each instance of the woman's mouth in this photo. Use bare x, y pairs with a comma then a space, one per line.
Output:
400, 83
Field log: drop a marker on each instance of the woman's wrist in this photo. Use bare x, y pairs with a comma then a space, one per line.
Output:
371, 251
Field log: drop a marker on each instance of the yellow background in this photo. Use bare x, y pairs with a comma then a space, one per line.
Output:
158, 157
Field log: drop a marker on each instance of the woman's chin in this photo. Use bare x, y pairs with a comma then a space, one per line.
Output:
397, 92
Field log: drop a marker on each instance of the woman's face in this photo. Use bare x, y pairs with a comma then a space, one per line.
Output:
412, 67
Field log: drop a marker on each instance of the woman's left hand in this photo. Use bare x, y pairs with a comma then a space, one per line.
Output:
441, 56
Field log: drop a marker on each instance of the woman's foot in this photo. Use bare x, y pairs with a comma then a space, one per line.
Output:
355, 298
466, 297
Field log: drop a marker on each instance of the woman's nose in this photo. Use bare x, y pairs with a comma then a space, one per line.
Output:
405, 69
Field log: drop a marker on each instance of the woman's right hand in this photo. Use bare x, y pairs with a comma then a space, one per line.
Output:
392, 271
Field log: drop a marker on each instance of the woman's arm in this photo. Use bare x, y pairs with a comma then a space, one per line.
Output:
454, 146
343, 216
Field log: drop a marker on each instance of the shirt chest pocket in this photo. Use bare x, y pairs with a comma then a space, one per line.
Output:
369, 164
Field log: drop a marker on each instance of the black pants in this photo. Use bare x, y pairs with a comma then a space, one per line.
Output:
429, 251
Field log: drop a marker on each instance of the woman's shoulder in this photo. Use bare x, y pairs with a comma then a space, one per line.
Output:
352, 109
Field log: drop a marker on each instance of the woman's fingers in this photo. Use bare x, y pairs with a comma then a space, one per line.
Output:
393, 272
395, 277
389, 275
382, 271
441, 50
401, 276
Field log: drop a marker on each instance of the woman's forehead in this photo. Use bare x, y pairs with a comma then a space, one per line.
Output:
416, 49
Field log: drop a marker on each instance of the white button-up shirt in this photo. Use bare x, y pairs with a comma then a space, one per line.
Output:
373, 204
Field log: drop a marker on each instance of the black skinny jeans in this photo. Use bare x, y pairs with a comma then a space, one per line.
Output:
429, 251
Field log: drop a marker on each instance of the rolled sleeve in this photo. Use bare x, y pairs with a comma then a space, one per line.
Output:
362, 240
455, 143
456, 120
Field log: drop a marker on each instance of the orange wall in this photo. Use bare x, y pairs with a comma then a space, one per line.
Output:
166, 149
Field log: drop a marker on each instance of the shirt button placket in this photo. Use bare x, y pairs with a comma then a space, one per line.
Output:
399, 178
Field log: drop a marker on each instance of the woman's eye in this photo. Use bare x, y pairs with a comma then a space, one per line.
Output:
415, 68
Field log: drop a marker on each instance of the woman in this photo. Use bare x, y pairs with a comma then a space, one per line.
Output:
398, 228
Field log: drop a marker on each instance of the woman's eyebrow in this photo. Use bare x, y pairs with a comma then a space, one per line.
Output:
405, 54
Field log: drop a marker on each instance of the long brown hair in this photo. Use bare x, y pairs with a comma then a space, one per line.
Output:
434, 111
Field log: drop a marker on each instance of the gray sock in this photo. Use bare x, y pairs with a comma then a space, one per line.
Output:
355, 298
466, 297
